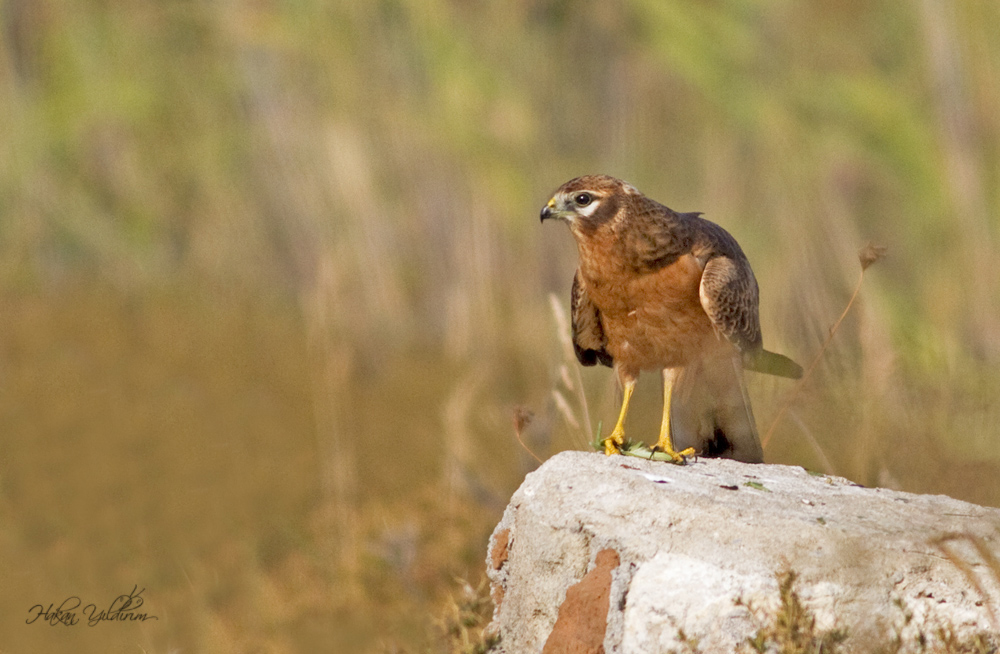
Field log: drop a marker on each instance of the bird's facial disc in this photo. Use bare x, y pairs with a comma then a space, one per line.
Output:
584, 203
570, 206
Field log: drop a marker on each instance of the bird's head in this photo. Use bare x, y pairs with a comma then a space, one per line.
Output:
587, 202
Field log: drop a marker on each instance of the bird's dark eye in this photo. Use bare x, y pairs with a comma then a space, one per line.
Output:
583, 199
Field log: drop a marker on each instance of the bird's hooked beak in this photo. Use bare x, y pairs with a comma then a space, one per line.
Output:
550, 210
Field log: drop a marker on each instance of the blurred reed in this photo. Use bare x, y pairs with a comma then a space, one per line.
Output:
967, 553
380, 167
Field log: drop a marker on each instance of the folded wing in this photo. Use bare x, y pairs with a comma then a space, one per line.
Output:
589, 341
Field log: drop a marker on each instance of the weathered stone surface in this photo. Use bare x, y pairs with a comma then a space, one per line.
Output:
582, 620
686, 542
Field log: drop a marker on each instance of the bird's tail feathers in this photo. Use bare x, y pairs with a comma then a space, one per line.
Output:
772, 363
710, 411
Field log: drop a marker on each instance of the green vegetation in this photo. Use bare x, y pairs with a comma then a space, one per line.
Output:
272, 283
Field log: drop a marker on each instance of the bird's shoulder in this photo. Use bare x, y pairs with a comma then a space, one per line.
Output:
712, 240
655, 236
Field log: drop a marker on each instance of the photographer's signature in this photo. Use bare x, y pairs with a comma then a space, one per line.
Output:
124, 608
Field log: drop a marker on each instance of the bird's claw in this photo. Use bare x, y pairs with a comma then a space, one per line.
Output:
677, 457
613, 444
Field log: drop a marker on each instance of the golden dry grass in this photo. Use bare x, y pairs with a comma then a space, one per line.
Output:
272, 284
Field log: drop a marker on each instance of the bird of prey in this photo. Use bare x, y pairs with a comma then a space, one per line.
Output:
661, 290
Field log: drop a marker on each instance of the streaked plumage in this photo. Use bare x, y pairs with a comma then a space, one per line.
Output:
661, 290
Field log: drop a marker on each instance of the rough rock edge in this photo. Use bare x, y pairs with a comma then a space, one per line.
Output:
502, 542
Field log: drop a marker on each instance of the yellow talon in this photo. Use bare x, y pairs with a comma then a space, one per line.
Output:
668, 449
613, 443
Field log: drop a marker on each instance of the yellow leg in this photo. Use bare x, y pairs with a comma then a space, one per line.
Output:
613, 443
665, 443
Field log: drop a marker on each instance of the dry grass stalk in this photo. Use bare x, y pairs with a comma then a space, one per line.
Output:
575, 384
965, 565
467, 616
522, 418
330, 379
866, 257
791, 629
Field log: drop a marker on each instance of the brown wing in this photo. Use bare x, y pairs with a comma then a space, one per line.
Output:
659, 236
589, 341
730, 297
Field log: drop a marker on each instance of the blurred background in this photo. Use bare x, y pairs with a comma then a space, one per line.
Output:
275, 301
